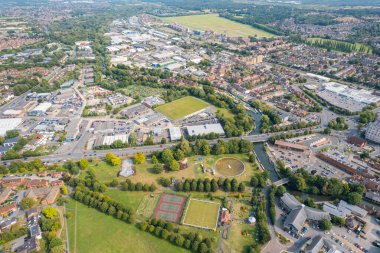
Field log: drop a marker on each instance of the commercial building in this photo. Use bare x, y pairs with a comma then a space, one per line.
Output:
359, 142
373, 132
291, 146
298, 214
342, 165
109, 139
9, 124
40, 109
205, 129
175, 133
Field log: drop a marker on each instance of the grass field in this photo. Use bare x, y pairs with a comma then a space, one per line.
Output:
144, 174
202, 214
219, 25
182, 107
358, 47
91, 231
147, 205
128, 198
103, 171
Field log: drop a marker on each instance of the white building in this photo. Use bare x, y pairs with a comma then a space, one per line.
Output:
40, 109
205, 129
9, 124
175, 133
373, 132
108, 140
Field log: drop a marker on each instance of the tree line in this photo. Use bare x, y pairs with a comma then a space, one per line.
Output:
166, 231
207, 185
303, 181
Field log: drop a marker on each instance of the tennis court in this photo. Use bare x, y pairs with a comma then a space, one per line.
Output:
170, 208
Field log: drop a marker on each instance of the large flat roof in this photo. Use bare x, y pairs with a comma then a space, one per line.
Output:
291, 145
9, 124
205, 129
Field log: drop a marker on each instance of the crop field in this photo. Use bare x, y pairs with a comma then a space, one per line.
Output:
217, 24
202, 214
182, 107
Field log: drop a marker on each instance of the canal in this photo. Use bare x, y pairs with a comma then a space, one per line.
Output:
259, 148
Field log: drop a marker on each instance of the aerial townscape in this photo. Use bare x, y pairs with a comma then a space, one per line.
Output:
177, 126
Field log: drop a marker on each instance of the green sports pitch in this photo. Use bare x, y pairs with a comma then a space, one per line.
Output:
202, 214
182, 107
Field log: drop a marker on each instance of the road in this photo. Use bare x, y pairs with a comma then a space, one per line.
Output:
78, 151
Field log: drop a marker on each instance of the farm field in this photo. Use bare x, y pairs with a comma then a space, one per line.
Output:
109, 235
218, 24
201, 213
182, 107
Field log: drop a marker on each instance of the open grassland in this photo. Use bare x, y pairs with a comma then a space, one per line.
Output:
128, 198
201, 214
103, 171
218, 24
182, 107
144, 172
91, 231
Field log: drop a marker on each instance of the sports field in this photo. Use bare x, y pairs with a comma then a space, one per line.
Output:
169, 208
202, 214
217, 24
109, 235
182, 107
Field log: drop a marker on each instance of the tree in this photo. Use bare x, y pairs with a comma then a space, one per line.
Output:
64, 190
252, 158
113, 159
27, 203
338, 221
139, 158
84, 164
167, 156
241, 187
174, 165
325, 225
157, 168
55, 242
354, 198
154, 159
280, 191
50, 212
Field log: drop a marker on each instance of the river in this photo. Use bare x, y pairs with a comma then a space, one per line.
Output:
261, 154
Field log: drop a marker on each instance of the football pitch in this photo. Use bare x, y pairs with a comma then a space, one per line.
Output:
202, 214
182, 107
217, 24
